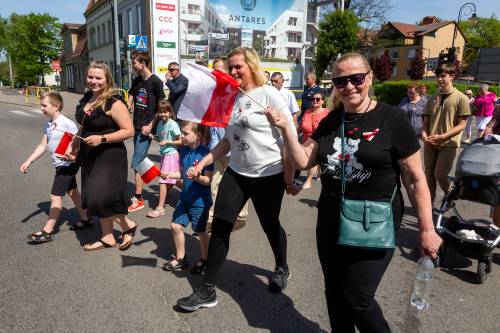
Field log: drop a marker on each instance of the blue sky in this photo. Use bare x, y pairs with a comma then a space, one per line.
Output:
403, 10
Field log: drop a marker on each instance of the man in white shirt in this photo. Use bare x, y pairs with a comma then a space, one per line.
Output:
288, 96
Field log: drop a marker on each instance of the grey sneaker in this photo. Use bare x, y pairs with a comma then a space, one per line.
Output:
205, 297
279, 280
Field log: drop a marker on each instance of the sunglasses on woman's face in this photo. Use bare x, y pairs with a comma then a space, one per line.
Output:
357, 79
317, 99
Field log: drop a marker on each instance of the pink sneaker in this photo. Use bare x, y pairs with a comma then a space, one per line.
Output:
136, 205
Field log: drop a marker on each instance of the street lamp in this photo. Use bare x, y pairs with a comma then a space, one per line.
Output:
466, 9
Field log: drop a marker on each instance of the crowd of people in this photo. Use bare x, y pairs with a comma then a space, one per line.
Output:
361, 149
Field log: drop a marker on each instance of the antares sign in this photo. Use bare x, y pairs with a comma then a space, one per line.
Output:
165, 31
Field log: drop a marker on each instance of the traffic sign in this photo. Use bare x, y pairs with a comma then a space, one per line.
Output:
142, 43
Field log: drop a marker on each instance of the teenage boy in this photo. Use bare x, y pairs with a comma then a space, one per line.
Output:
445, 117
64, 179
144, 95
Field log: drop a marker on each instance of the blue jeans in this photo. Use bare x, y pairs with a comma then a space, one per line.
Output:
141, 147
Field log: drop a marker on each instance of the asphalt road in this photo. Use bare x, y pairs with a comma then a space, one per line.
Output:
57, 287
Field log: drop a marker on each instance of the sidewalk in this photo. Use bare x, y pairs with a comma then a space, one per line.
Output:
13, 96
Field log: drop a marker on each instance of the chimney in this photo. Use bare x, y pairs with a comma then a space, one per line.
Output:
429, 20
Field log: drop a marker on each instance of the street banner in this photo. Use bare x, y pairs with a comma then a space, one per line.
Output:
165, 32
209, 97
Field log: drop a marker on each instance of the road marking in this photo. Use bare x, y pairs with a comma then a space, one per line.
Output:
23, 113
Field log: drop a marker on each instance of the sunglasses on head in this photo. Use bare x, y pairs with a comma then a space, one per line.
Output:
356, 80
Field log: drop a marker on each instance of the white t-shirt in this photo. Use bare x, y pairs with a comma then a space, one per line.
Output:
55, 131
256, 145
290, 100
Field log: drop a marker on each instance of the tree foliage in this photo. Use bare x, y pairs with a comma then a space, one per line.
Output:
480, 33
382, 67
337, 34
371, 12
416, 68
33, 41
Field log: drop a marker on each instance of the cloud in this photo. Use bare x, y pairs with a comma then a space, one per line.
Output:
297, 5
224, 13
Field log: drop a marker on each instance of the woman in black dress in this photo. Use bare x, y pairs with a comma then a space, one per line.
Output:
105, 124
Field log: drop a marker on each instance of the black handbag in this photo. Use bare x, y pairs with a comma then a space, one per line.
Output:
365, 223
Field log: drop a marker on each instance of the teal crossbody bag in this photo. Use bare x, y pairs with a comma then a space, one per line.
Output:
365, 223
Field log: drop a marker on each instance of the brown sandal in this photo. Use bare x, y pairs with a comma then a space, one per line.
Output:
125, 245
103, 245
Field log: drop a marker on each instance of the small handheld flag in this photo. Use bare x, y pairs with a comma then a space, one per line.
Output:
148, 170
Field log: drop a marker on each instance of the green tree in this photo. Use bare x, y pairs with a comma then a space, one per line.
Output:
35, 41
337, 34
481, 32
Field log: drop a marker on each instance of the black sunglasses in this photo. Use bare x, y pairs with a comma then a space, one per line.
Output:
317, 99
172, 69
356, 80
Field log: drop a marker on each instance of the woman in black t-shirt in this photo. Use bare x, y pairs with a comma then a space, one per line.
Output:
381, 149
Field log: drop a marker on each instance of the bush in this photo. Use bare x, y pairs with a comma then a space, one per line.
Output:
391, 92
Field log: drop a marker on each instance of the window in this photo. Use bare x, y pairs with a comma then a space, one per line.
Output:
130, 22
411, 53
99, 40
120, 26
292, 21
194, 9
395, 54
103, 31
93, 39
295, 37
138, 12
110, 33
194, 29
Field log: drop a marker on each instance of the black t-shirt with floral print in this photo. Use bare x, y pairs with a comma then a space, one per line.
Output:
375, 142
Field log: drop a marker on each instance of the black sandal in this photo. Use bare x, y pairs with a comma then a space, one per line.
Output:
125, 245
199, 268
181, 264
41, 236
82, 224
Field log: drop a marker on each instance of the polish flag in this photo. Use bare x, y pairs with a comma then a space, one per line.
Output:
60, 140
148, 170
209, 97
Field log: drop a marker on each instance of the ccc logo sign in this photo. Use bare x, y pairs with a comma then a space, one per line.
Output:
166, 19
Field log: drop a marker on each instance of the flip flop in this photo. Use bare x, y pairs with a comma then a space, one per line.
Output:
125, 245
103, 245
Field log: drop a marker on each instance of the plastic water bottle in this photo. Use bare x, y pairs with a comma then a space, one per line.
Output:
422, 283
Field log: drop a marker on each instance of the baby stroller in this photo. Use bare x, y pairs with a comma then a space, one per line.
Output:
477, 179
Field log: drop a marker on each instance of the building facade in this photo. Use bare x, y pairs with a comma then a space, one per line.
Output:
285, 38
74, 58
99, 22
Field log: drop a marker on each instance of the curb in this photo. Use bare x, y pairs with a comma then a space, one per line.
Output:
19, 104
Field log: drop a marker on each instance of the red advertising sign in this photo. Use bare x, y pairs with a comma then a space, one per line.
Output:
165, 6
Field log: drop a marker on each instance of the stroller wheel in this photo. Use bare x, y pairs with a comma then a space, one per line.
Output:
481, 274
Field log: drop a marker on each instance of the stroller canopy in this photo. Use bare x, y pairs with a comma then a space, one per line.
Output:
479, 159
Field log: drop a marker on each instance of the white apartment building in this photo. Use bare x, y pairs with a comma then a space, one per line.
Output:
197, 19
285, 37
99, 18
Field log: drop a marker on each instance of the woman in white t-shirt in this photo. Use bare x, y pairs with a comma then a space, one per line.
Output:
257, 170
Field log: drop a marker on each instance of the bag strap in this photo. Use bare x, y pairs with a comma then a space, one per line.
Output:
342, 162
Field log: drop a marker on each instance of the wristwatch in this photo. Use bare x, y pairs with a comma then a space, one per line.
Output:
103, 139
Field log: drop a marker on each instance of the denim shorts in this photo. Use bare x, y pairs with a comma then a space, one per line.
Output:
141, 147
198, 216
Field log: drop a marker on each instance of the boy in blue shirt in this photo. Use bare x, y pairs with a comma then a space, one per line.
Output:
195, 199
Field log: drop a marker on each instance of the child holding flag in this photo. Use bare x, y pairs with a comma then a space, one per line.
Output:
58, 134
168, 133
195, 199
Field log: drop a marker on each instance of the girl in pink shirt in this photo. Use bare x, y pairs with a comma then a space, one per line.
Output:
485, 106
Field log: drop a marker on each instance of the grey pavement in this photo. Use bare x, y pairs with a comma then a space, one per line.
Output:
57, 287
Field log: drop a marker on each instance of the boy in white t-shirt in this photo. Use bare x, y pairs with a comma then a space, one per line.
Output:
64, 179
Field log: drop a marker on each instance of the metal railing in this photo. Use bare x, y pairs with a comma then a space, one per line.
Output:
35, 92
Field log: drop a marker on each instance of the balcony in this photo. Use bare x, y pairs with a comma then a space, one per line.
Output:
312, 16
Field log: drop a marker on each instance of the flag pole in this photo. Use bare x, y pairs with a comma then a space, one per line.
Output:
253, 99
76, 136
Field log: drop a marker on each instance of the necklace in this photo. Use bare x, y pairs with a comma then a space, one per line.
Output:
359, 114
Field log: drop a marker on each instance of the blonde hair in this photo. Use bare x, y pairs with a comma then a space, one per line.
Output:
253, 61
194, 126
351, 56
54, 98
108, 88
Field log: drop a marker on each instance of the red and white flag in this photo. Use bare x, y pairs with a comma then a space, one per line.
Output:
148, 170
60, 140
209, 97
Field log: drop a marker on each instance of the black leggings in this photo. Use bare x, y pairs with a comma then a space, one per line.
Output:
234, 191
351, 275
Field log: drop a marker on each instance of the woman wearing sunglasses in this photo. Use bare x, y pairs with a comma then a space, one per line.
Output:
310, 121
380, 150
